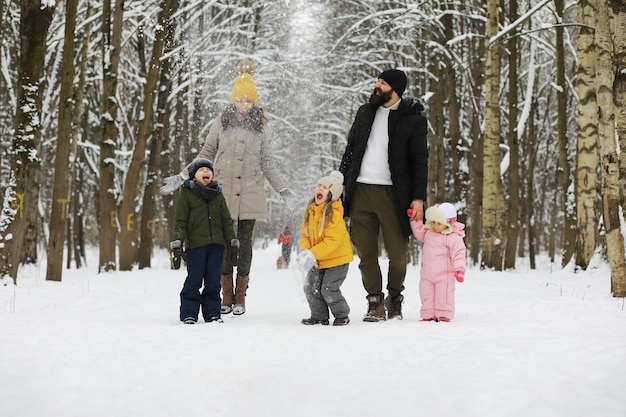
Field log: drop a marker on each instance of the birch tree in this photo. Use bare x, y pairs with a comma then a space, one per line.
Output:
493, 238
618, 266
609, 159
587, 145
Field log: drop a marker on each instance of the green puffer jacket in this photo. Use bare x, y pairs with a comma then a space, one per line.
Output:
202, 220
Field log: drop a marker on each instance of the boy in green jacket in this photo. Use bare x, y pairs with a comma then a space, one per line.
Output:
204, 224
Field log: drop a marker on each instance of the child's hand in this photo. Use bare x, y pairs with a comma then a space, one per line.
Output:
459, 275
177, 253
306, 260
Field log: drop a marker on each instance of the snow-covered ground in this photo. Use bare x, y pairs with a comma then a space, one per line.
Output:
524, 344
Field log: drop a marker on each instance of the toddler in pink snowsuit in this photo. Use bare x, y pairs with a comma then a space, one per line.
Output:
443, 260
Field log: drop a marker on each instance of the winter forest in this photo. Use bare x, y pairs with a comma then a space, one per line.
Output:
100, 100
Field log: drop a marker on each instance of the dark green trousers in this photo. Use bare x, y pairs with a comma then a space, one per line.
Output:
372, 212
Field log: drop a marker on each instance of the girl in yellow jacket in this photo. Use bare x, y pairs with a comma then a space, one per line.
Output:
325, 253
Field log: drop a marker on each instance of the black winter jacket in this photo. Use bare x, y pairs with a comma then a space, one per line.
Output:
408, 155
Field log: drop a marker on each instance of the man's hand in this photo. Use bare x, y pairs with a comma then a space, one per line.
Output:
417, 210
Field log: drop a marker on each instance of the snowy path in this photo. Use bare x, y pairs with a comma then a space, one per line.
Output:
524, 343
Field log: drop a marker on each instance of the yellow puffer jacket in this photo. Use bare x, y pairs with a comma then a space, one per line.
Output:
332, 247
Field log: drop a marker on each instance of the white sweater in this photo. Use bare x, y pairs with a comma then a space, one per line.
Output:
375, 164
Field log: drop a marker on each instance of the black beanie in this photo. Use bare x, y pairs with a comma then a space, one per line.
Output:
396, 80
196, 164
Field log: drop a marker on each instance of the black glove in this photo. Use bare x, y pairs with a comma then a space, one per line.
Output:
177, 253
233, 252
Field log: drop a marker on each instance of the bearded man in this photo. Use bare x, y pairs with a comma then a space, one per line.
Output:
385, 166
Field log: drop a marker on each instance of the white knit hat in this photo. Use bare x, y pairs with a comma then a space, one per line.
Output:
334, 183
443, 213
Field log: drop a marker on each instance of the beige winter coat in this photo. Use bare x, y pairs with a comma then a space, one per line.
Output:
243, 159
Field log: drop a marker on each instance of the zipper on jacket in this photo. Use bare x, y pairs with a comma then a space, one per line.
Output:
208, 209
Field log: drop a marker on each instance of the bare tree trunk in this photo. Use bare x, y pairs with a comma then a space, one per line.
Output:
618, 275
436, 119
458, 190
513, 224
62, 179
75, 235
475, 193
436, 153
530, 184
34, 223
21, 194
475, 157
128, 233
147, 228
568, 200
199, 110
493, 236
587, 152
3, 85
180, 135
112, 42
605, 77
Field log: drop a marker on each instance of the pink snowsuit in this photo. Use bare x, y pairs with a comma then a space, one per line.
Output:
442, 254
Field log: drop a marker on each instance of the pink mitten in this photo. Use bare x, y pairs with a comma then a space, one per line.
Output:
459, 275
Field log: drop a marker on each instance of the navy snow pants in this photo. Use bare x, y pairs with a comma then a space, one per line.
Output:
203, 264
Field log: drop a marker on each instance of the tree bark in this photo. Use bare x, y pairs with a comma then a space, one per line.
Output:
128, 214
513, 224
530, 185
609, 159
618, 275
493, 237
587, 145
568, 200
459, 176
147, 227
75, 235
62, 180
21, 195
112, 41
475, 157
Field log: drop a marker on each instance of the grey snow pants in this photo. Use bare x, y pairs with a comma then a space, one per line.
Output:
322, 290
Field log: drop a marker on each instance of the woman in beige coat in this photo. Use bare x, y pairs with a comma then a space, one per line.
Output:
239, 144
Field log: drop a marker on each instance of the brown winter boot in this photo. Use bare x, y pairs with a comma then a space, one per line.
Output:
227, 294
375, 309
240, 294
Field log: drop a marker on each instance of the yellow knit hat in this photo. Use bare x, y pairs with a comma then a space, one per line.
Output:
244, 87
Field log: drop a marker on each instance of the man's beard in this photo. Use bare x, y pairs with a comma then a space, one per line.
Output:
378, 98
